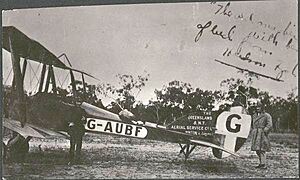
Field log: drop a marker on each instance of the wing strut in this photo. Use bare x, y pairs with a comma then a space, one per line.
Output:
42, 77
18, 85
84, 86
73, 83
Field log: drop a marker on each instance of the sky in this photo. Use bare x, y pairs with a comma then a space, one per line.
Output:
160, 39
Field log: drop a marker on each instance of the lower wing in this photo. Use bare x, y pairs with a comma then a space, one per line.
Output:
31, 130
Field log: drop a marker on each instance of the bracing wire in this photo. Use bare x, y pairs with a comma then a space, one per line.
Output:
34, 71
8, 76
65, 79
31, 79
30, 76
35, 87
59, 81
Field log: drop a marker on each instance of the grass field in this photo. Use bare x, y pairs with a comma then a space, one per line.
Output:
116, 157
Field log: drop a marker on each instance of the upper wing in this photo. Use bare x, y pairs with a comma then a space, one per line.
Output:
28, 48
31, 49
31, 130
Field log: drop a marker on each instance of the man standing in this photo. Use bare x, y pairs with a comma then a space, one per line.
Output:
262, 124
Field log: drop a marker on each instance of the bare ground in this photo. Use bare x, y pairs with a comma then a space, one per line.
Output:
116, 157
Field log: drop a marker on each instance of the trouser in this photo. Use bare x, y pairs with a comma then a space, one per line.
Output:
262, 157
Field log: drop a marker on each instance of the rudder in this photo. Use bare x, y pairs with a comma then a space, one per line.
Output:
232, 130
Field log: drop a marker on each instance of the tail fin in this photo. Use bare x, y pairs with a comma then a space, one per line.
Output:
232, 130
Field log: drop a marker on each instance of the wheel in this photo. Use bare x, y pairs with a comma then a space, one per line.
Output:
17, 148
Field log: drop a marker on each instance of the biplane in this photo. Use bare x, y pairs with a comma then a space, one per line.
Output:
46, 114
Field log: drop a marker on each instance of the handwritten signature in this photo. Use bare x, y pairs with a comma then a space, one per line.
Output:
214, 30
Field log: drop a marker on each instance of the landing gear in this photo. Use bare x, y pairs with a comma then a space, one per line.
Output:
187, 149
17, 147
4, 152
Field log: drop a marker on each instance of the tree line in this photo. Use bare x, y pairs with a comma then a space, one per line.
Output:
176, 99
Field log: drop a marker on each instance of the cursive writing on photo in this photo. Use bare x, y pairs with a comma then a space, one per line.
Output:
214, 31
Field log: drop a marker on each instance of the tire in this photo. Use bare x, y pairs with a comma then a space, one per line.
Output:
17, 148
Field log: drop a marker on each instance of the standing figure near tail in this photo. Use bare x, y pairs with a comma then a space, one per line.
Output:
262, 124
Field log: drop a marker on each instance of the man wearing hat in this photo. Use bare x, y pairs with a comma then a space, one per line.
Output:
262, 124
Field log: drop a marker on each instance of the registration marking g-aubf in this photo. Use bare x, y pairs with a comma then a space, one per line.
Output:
113, 127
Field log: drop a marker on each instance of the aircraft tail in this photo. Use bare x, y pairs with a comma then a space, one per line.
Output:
232, 130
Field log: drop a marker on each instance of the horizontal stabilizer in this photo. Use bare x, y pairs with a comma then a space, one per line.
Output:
204, 143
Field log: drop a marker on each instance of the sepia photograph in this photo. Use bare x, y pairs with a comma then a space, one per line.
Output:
141, 90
